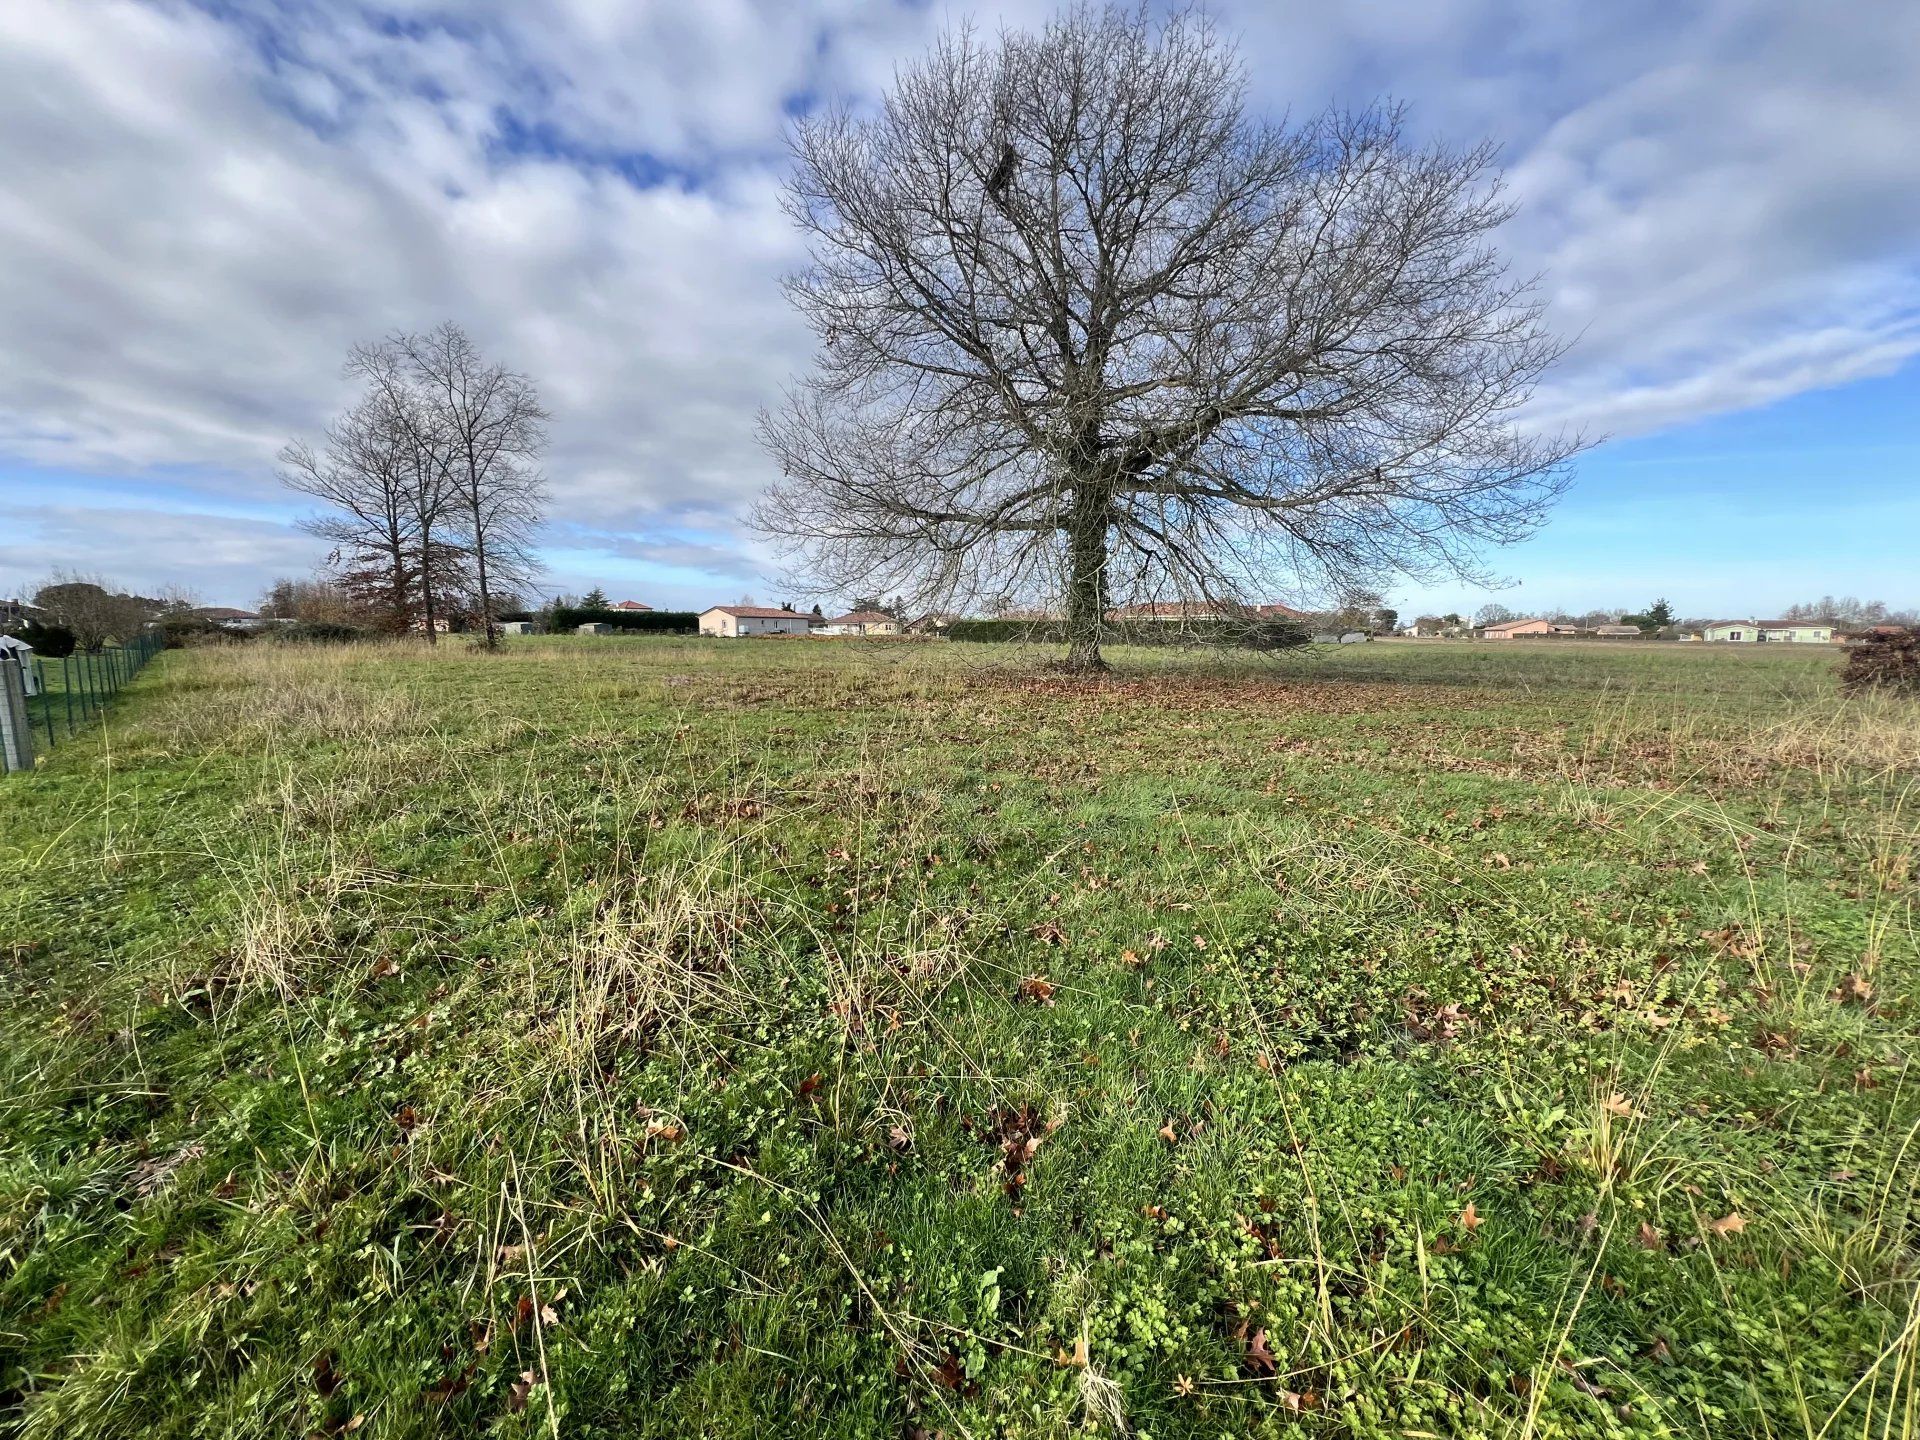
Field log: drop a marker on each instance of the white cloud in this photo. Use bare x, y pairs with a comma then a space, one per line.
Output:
220, 557
204, 209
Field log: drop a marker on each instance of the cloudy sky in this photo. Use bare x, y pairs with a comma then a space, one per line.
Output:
203, 205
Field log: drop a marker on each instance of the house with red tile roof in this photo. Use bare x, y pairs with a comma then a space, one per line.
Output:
1515, 629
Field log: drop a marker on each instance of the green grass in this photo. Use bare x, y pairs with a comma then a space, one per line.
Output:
73, 688
644, 1037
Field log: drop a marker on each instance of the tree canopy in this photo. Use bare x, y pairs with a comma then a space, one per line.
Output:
1090, 333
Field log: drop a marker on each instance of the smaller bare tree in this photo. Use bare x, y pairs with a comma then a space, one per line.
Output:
363, 473
91, 609
485, 428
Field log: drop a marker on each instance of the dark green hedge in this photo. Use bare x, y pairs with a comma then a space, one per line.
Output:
50, 641
645, 622
316, 632
1247, 635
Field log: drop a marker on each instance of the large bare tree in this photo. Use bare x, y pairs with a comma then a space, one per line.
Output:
1089, 333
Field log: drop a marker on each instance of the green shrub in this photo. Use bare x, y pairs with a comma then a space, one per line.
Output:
644, 622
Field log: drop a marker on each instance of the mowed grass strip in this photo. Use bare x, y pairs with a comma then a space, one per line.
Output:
644, 1037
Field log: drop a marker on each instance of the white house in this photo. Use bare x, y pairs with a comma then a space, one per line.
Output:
860, 622
226, 617
1791, 632
738, 621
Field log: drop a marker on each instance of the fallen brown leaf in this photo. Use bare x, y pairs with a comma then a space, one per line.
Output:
518, 1391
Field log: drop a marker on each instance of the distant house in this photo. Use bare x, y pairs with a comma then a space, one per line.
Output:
931, 624
740, 621
1514, 629
1789, 632
226, 617
1170, 612
1427, 625
1618, 632
860, 622
633, 606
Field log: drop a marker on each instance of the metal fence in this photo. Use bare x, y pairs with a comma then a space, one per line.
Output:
48, 699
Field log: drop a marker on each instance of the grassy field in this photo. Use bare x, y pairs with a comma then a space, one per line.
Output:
660, 1038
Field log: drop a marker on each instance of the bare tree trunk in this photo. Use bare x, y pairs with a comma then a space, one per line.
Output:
426, 588
492, 640
1086, 578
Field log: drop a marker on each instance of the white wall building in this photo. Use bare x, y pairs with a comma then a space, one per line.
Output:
860, 622
1790, 632
739, 621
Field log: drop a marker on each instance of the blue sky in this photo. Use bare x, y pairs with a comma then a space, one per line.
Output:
208, 203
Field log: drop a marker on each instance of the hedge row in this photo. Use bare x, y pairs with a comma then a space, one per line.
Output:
179, 632
645, 622
1245, 634
50, 641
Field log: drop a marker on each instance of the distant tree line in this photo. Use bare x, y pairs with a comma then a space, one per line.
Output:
1850, 612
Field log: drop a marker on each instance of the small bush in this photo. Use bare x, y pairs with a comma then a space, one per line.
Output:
567, 618
1885, 658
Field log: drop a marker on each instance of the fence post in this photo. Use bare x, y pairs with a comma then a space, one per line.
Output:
16, 727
